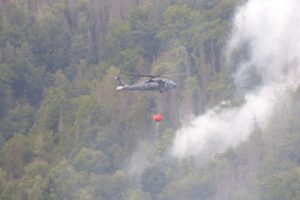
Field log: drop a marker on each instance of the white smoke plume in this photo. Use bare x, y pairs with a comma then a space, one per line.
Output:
271, 30
139, 160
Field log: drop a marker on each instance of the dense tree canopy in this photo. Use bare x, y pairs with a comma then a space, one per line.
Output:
66, 134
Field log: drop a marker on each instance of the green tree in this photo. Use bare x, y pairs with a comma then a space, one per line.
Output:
176, 20
2, 180
153, 180
111, 187
281, 186
18, 120
145, 26
119, 46
17, 152
49, 113
91, 161
63, 182
51, 39
12, 191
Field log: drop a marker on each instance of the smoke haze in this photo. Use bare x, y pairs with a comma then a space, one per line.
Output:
270, 31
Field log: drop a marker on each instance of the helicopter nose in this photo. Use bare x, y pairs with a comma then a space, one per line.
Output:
169, 84
174, 85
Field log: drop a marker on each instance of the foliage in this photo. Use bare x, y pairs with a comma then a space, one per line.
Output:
65, 133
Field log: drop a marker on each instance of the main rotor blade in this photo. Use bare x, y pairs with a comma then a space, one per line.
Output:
141, 75
175, 74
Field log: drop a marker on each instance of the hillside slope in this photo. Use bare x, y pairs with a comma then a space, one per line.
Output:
65, 133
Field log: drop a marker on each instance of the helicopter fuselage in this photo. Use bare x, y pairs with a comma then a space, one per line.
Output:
160, 84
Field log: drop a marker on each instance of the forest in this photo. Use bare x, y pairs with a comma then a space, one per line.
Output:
67, 134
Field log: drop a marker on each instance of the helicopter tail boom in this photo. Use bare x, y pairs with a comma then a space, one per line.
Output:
121, 83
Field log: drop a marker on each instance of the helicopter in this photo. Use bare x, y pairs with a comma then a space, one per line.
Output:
157, 83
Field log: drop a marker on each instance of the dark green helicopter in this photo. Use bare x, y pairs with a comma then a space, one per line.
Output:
157, 83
